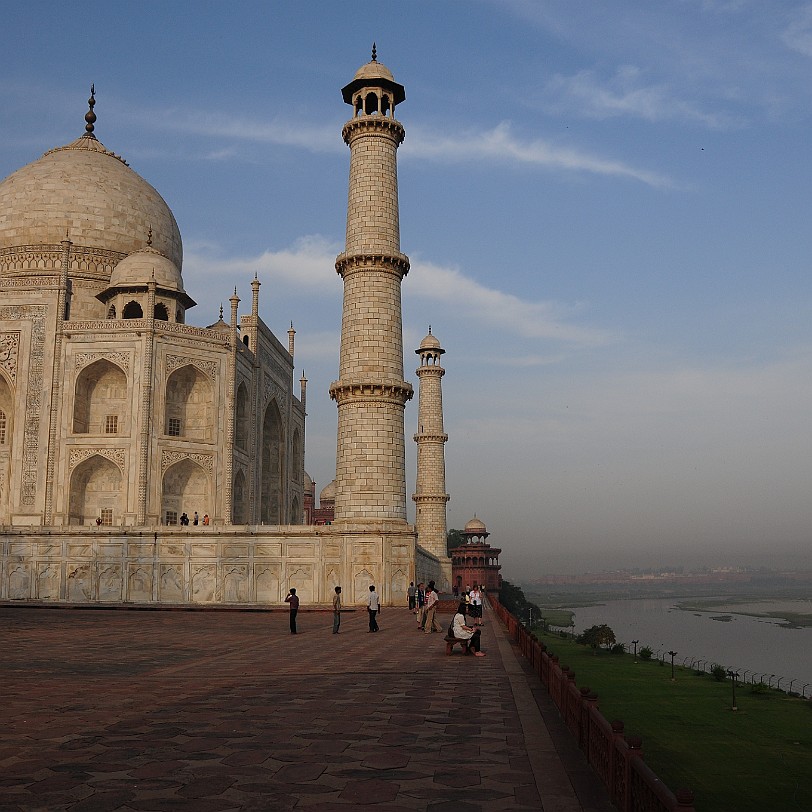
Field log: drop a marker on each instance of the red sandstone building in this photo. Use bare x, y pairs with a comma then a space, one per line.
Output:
475, 561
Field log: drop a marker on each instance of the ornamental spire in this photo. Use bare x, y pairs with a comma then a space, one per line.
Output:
374, 53
90, 116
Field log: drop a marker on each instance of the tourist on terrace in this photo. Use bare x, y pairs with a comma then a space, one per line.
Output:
373, 607
293, 600
469, 633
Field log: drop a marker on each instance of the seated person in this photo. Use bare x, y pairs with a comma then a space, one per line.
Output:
463, 632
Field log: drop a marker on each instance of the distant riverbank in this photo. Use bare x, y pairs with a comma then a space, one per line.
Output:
763, 643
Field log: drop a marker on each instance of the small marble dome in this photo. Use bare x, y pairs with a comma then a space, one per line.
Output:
140, 266
373, 70
89, 193
430, 342
475, 527
328, 493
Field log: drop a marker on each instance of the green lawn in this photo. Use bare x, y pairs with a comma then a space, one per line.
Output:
757, 758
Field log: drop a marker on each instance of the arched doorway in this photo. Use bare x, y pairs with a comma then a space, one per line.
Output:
186, 489
273, 466
240, 498
100, 403
189, 405
95, 493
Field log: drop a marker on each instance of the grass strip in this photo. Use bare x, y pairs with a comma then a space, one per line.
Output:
756, 758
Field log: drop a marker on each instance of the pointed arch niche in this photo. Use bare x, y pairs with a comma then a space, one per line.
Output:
186, 489
241, 433
273, 466
240, 496
95, 486
100, 402
189, 405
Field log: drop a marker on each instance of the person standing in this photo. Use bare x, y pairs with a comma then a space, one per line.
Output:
476, 605
410, 593
196, 520
293, 600
337, 610
373, 607
421, 604
431, 607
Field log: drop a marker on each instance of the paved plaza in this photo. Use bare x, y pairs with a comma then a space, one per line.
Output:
225, 710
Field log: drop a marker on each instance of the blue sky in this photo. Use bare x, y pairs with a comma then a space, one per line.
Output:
605, 205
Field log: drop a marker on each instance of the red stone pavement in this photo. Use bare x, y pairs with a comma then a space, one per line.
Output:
106, 709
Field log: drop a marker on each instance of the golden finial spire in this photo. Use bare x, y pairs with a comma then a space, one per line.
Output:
149, 237
90, 116
374, 53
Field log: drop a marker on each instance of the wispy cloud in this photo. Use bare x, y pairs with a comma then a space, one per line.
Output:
626, 94
501, 145
798, 33
497, 145
309, 264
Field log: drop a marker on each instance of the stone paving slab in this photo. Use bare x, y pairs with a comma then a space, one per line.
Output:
219, 711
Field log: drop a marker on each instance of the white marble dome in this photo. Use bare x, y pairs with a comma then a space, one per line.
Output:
142, 265
89, 193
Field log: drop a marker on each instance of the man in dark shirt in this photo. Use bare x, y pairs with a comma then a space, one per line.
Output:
294, 608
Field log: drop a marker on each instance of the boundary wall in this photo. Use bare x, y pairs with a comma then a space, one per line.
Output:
171, 566
615, 757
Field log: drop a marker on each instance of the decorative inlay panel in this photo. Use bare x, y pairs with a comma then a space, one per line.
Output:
174, 362
9, 350
206, 461
33, 395
117, 456
121, 359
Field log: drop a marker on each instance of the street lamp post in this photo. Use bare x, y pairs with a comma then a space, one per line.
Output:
778, 684
733, 676
770, 680
803, 690
672, 654
634, 643
789, 690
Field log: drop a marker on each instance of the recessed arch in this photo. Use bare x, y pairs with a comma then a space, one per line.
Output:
6, 412
273, 466
189, 405
132, 310
100, 394
186, 488
241, 433
240, 499
95, 492
161, 312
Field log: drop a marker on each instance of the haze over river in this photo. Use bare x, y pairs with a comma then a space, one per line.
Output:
744, 642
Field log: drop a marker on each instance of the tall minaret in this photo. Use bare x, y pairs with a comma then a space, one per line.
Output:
430, 496
370, 393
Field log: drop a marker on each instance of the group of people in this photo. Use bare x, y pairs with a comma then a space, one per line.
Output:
373, 608
196, 520
423, 603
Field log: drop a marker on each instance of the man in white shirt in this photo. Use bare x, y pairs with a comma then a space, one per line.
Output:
373, 607
431, 606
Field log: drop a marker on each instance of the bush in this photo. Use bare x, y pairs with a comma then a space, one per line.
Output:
759, 689
718, 672
646, 653
618, 648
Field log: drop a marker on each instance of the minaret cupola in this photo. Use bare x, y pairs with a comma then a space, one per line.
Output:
374, 91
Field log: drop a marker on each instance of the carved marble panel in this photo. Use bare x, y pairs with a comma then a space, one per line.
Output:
300, 549
235, 550
118, 456
80, 583
204, 550
19, 582
235, 584
47, 582
79, 550
9, 352
121, 359
110, 583
301, 577
208, 368
267, 583
361, 582
204, 583
273, 549
206, 461
139, 583
170, 585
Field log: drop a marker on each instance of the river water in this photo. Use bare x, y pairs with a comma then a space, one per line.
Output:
743, 643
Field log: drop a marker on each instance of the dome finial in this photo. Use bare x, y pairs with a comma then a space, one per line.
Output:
374, 53
149, 239
429, 329
90, 116
221, 311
